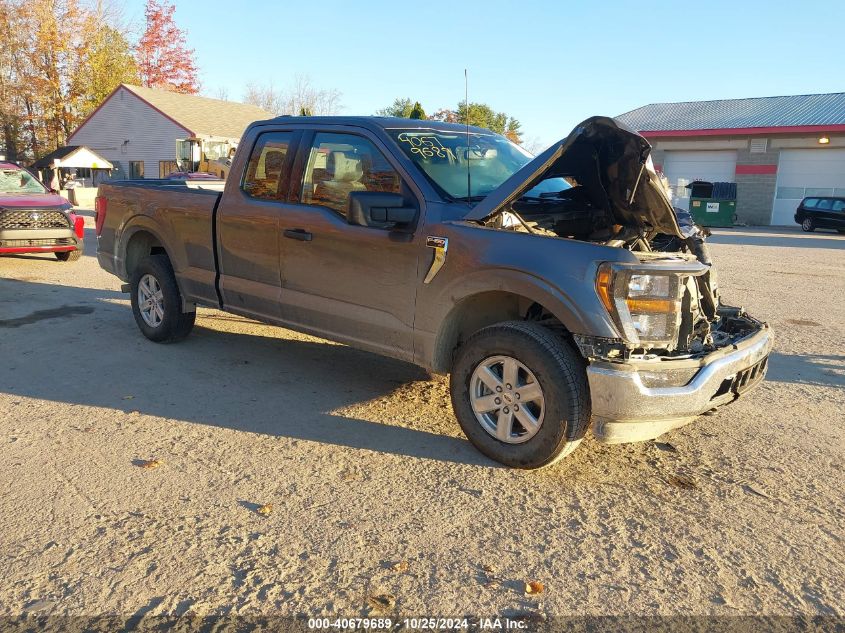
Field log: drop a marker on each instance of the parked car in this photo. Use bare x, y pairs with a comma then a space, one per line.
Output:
558, 292
821, 212
34, 219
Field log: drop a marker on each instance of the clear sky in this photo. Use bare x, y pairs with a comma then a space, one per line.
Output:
549, 64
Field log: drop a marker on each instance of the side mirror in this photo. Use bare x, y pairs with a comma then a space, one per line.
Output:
379, 209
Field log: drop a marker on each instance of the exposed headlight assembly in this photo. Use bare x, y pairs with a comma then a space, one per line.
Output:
645, 299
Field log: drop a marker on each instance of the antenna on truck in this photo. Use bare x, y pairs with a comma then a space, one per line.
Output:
466, 119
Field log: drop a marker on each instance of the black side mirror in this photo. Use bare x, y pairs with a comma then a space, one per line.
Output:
379, 209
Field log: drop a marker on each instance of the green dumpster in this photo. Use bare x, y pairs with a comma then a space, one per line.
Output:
713, 203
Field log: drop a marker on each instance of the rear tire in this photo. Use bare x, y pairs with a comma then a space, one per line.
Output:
68, 256
545, 364
808, 225
157, 303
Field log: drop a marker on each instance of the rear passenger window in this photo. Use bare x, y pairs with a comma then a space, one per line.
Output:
838, 205
267, 170
339, 164
810, 203
825, 204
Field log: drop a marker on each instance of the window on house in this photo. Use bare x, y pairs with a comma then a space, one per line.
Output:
342, 163
136, 169
267, 172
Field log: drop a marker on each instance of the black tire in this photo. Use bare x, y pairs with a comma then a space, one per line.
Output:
562, 375
68, 256
175, 324
808, 225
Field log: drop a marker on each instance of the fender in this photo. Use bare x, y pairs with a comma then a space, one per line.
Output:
581, 317
123, 236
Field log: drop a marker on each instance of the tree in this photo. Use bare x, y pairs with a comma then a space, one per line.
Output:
299, 96
106, 62
400, 108
417, 112
482, 115
305, 112
164, 59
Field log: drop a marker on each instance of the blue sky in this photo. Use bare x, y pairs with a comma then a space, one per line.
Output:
549, 64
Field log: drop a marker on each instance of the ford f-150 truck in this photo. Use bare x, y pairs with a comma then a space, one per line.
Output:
34, 219
561, 292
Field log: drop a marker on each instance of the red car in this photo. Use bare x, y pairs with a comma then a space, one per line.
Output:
34, 219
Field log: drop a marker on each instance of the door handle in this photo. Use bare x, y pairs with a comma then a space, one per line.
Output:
298, 234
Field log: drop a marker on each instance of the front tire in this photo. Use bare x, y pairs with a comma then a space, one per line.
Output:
157, 303
520, 394
68, 256
808, 225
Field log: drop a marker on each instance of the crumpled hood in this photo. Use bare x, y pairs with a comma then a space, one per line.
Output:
611, 162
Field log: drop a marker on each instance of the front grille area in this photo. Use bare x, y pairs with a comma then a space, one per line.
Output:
747, 378
61, 241
33, 219
743, 380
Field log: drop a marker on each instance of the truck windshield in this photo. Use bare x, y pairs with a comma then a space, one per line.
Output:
444, 158
17, 180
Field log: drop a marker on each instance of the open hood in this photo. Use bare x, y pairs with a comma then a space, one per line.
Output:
611, 162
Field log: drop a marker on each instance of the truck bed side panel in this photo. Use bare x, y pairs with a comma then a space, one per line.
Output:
178, 217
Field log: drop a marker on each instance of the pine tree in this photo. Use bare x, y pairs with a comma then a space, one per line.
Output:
417, 112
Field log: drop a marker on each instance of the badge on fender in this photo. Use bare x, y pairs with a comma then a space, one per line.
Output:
440, 246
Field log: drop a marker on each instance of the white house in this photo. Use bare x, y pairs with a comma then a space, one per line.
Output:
151, 133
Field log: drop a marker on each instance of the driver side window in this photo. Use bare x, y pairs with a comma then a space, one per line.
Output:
339, 164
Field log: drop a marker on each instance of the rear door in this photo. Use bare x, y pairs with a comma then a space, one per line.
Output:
347, 282
248, 222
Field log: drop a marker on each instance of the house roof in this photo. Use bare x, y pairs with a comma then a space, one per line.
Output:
64, 156
202, 115
199, 116
805, 112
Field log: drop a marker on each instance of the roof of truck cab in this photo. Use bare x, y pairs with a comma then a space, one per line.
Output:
378, 122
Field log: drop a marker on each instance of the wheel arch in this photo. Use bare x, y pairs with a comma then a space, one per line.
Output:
485, 308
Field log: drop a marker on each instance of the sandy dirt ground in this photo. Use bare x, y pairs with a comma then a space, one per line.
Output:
374, 490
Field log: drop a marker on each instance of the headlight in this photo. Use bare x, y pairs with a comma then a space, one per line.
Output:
646, 305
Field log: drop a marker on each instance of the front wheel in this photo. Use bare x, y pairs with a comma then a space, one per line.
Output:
157, 303
808, 225
68, 256
520, 394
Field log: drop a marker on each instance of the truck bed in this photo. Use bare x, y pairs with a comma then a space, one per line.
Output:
161, 210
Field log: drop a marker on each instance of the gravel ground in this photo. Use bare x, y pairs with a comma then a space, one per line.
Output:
373, 488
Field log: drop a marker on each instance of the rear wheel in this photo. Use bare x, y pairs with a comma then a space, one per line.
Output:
808, 225
520, 394
68, 256
157, 303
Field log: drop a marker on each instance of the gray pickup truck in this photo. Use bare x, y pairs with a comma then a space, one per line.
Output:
559, 292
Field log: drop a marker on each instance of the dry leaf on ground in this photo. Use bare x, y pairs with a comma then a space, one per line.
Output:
265, 510
402, 565
149, 464
534, 587
682, 481
382, 601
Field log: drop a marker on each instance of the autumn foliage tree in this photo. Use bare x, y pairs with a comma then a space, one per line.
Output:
164, 59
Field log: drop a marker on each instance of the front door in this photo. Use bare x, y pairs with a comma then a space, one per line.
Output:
248, 228
343, 281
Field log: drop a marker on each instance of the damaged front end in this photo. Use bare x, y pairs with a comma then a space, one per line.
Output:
680, 352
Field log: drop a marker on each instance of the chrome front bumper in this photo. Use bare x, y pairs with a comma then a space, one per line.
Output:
625, 410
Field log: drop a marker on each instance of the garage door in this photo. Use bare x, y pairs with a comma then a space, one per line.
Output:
681, 168
806, 172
